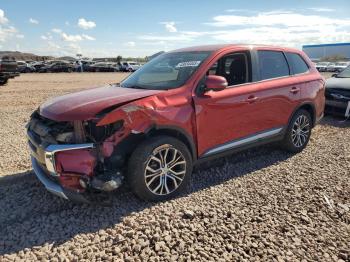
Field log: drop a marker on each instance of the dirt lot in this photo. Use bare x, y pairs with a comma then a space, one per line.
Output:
263, 204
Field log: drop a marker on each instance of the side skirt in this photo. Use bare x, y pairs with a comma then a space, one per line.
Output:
266, 137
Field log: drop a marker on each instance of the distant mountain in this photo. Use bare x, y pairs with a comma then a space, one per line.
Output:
25, 56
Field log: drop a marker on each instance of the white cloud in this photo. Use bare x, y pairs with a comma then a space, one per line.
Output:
276, 19
67, 23
20, 36
3, 19
76, 38
322, 9
175, 38
170, 26
84, 24
277, 27
87, 37
71, 38
48, 36
33, 21
53, 45
130, 44
7, 32
56, 30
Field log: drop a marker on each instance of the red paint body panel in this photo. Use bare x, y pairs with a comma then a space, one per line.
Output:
82, 161
72, 165
86, 104
209, 120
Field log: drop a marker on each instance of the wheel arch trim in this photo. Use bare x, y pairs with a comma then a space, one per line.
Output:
189, 142
303, 106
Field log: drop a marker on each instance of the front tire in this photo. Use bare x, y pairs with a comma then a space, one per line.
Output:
298, 132
159, 168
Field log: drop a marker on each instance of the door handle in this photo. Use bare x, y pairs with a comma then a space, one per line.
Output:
295, 90
252, 99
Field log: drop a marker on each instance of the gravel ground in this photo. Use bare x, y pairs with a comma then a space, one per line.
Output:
263, 204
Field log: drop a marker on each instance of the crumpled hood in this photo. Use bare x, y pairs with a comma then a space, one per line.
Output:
338, 83
86, 104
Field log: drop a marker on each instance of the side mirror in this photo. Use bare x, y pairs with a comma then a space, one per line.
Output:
215, 83
334, 75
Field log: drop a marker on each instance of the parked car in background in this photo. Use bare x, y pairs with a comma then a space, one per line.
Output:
340, 66
57, 67
8, 69
38, 65
331, 67
24, 67
87, 65
130, 66
104, 67
322, 66
183, 108
338, 93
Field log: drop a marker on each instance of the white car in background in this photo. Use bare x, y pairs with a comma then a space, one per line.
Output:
130, 66
331, 67
322, 66
340, 66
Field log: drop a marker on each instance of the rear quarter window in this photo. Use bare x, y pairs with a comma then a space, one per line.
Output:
272, 64
297, 63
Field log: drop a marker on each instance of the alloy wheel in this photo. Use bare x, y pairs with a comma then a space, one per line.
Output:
165, 170
300, 131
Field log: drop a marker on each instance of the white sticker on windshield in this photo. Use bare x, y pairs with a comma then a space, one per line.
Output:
188, 64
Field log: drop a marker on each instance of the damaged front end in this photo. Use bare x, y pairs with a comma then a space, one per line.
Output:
68, 157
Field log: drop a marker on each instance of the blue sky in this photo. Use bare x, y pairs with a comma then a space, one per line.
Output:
140, 28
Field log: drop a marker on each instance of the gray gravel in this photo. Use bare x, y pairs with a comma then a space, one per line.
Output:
263, 204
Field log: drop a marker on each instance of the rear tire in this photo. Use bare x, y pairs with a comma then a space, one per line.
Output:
298, 132
159, 168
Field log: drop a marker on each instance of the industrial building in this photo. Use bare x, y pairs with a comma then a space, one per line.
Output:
316, 52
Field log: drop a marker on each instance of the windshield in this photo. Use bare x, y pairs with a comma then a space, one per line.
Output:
167, 71
345, 73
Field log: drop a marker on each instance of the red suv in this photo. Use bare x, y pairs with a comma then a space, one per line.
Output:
181, 108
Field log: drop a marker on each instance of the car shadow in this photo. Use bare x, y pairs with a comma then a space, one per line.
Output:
30, 216
335, 121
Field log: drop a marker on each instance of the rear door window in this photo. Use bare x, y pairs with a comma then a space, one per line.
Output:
272, 64
297, 63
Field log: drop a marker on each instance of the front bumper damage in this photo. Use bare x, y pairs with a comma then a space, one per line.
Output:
44, 166
73, 171
54, 187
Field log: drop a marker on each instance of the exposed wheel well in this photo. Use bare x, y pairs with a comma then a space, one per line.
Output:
311, 109
125, 148
176, 134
